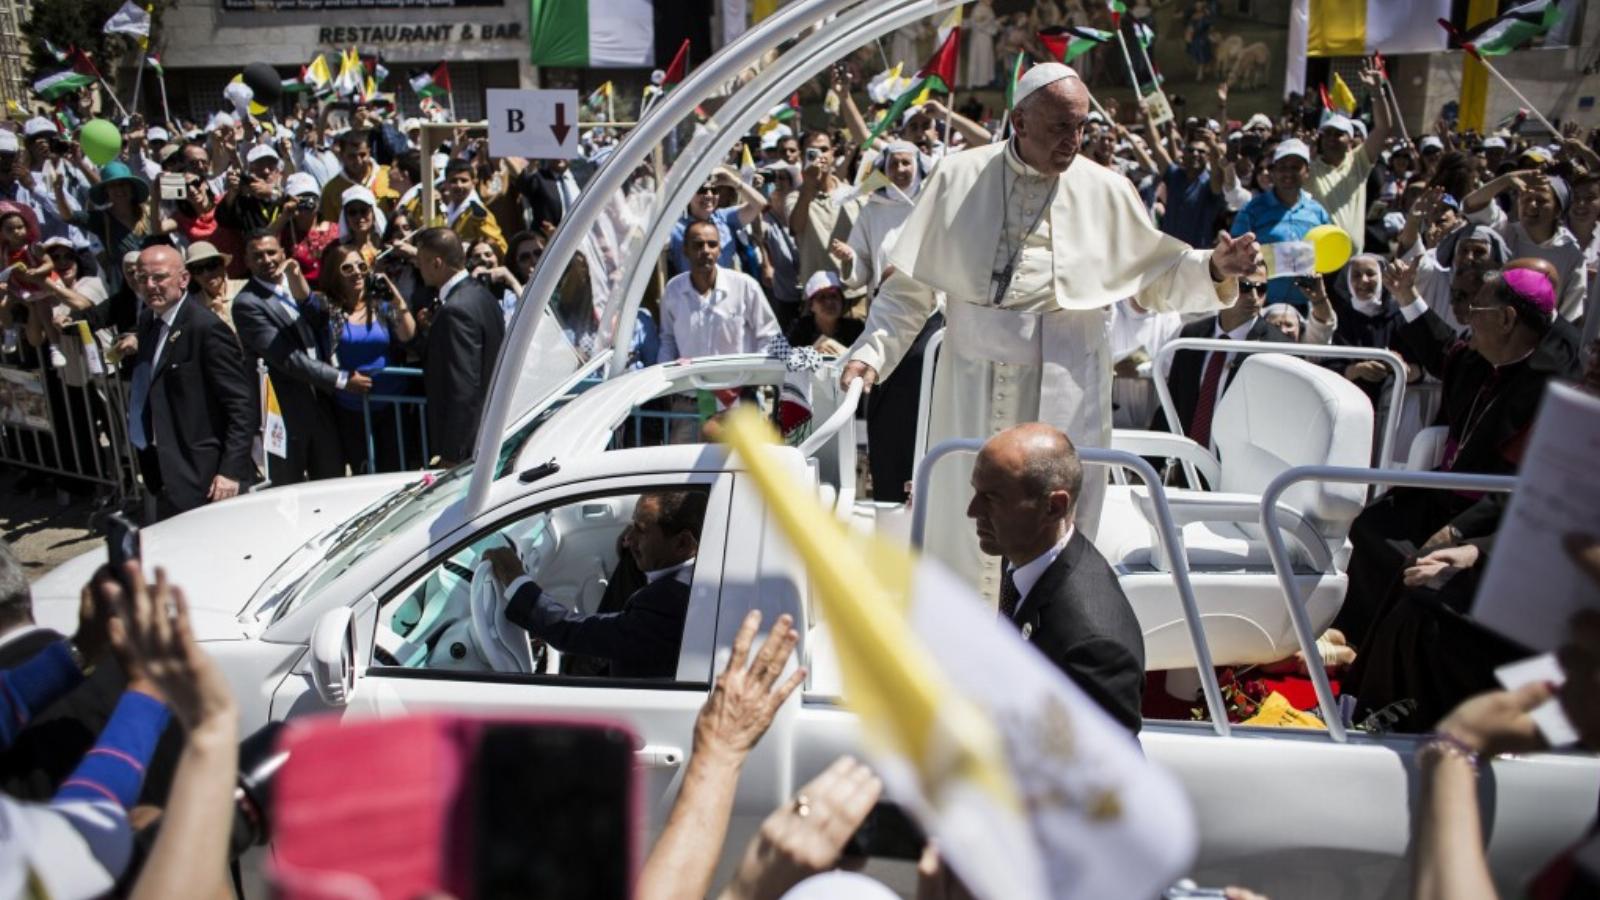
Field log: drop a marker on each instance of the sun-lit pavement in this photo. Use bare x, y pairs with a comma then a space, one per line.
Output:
41, 532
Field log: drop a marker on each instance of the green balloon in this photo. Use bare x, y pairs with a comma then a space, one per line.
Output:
101, 141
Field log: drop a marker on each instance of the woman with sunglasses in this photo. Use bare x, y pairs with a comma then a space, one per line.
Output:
303, 232
360, 222
370, 322
196, 215
523, 252
208, 279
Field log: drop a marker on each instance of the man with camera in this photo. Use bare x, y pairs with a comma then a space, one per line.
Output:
255, 199
465, 211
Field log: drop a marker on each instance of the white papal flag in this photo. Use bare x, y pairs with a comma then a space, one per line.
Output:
1029, 788
130, 19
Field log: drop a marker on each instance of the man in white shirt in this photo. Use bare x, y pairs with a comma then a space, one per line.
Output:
709, 310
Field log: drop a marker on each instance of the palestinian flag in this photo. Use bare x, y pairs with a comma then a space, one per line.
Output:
942, 65
1017, 69
593, 34
596, 101
81, 63
56, 53
916, 95
1067, 43
53, 87
431, 84
154, 62
375, 68
1513, 29
678, 68
299, 84
1154, 84
1118, 8
783, 112
1144, 33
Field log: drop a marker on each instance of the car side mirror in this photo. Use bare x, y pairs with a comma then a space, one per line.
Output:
333, 656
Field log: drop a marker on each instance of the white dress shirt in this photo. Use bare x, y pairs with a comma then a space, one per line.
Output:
1028, 574
448, 286
733, 317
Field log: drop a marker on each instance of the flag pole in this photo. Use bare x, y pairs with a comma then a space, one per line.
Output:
1128, 58
1155, 77
138, 82
1516, 93
1387, 90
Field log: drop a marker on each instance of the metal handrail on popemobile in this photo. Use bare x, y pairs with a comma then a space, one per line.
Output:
1166, 532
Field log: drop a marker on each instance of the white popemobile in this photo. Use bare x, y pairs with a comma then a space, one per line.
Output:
365, 595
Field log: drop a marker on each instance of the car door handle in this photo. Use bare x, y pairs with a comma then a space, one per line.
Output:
656, 757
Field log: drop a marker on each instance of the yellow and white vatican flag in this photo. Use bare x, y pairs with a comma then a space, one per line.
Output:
274, 436
91, 350
1029, 788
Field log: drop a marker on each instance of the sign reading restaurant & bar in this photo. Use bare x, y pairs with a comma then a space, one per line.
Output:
432, 33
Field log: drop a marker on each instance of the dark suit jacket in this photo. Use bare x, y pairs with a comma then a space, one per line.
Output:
202, 405
298, 354
1188, 367
463, 343
641, 641
540, 194
1078, 616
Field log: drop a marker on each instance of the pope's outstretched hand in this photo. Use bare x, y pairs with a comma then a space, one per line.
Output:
1234, 257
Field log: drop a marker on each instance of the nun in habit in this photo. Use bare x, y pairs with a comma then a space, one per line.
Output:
1032, 245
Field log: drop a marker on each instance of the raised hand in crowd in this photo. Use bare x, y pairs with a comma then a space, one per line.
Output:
808, 834
189, 858
744, 700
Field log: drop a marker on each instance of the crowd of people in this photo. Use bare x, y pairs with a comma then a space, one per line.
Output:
299, 250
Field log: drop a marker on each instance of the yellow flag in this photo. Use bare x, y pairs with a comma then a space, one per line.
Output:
760, 9
908, 708
274, 437
317, 73
1343, 99
950, 23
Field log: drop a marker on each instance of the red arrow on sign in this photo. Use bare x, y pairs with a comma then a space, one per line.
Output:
561, 128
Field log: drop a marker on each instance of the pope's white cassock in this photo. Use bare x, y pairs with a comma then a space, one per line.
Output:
1075, 244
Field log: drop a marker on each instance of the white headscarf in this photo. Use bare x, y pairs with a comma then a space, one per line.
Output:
1372, 303
361, 194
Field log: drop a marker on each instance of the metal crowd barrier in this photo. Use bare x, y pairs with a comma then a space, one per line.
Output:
77, 431
398, 403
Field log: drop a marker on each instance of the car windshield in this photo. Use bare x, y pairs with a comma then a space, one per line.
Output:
422, 499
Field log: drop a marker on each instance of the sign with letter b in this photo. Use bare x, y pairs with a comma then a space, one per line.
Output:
533, 124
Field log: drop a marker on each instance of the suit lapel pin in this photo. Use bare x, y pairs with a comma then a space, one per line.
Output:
1027, 630
173, 337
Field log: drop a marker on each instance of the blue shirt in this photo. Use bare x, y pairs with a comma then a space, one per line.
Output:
726, 220
364, 347
1273, 223
1192, 208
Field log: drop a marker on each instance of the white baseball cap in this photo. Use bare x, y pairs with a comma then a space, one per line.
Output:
1430, 142
1338, 123
1292, 147
157, 133
821, 280
300, 184
8, 142
1494, 142
262, 151
39, 125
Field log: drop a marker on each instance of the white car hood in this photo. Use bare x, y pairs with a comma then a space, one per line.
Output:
221, 553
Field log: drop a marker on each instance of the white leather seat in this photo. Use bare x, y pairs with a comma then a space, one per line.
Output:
1279, 412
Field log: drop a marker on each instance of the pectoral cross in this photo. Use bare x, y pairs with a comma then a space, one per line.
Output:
1003, 282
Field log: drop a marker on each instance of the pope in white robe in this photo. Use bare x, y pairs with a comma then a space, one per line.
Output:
1032, 245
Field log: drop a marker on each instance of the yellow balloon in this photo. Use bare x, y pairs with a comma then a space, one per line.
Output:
1330, 247
256, 109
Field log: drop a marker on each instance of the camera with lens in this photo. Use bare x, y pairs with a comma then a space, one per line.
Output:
60, 146
305, 203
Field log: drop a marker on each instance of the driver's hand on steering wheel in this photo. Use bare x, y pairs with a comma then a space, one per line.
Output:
506, 564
